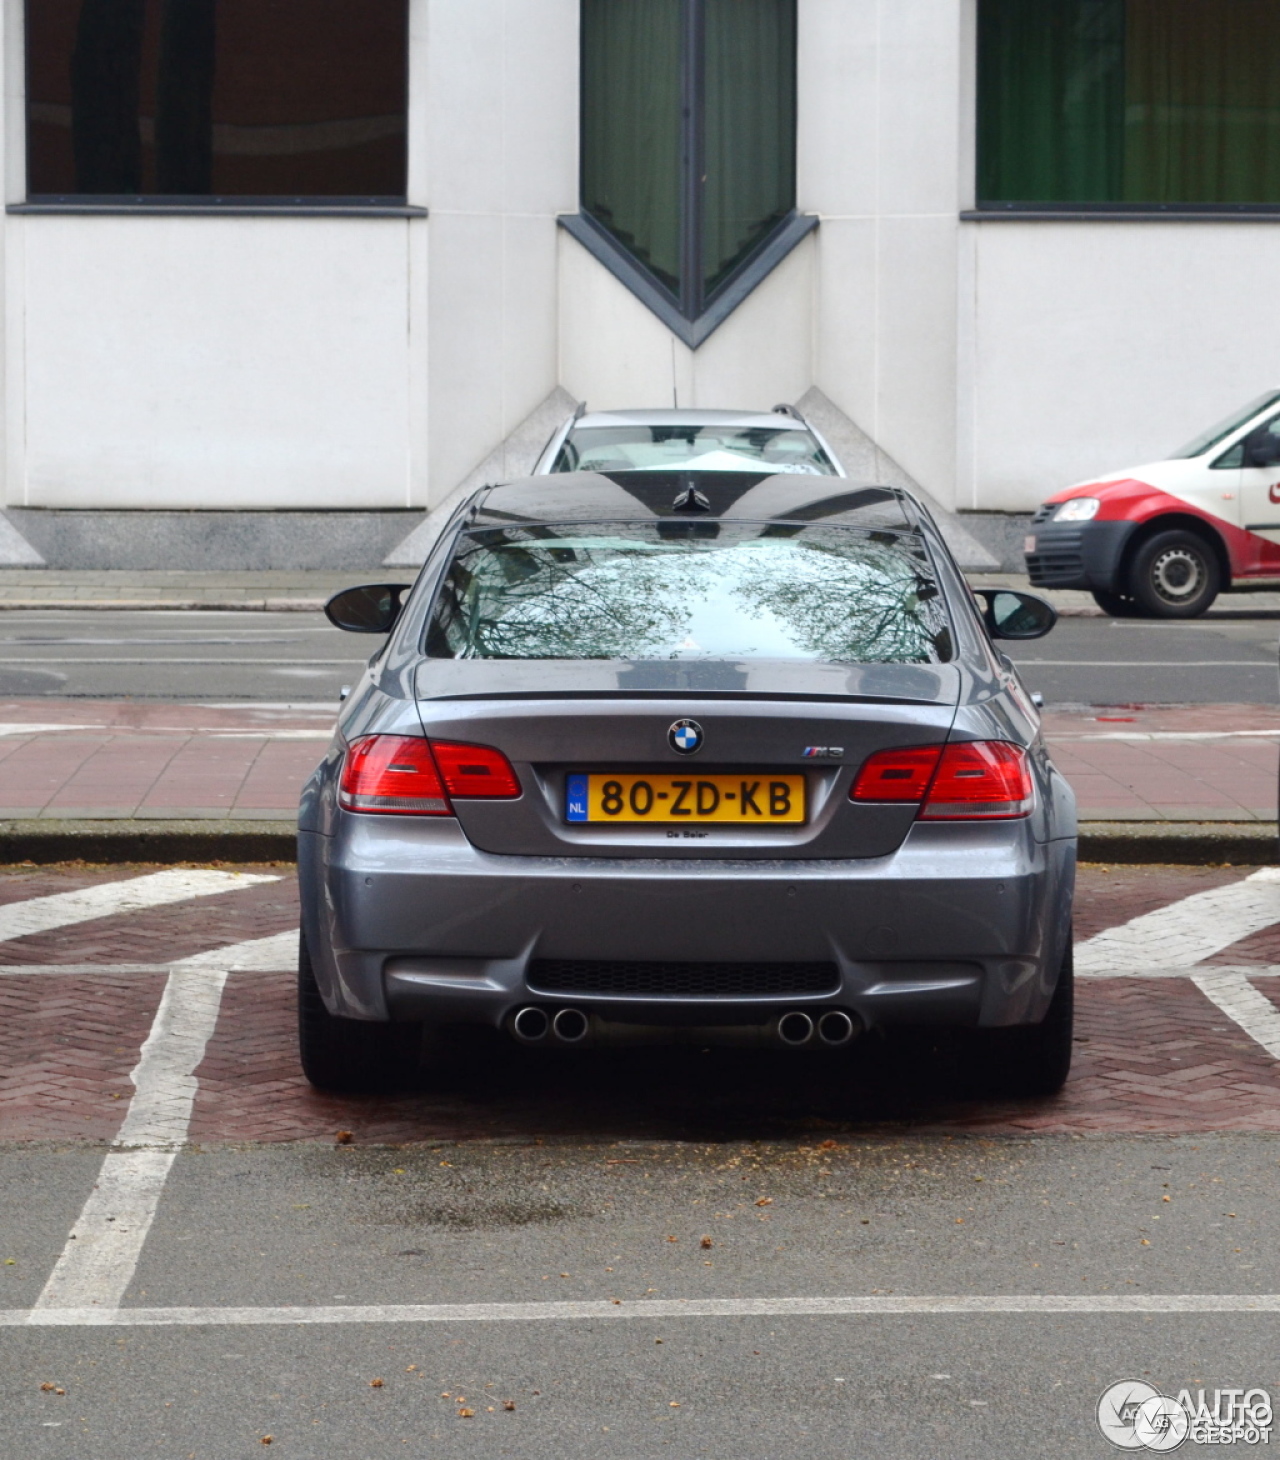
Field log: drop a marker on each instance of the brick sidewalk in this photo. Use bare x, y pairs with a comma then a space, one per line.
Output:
1151, 1054
1169, 762
76, 760
102, 760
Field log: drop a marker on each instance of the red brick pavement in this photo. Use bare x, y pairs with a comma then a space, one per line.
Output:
1153, 1054
66, 1048
131, 759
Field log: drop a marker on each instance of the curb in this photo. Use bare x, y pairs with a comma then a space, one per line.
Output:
1186, 843
147, 841
172, 605
1190, 844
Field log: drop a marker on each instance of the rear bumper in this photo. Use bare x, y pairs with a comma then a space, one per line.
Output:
962, 925
1079, 554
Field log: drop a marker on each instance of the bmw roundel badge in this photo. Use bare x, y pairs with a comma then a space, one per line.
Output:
685, 737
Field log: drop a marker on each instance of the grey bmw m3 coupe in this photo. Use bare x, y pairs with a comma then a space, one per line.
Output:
645, 754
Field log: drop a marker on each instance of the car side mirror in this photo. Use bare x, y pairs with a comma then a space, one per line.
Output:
1009, 614
373, 608
1262, 449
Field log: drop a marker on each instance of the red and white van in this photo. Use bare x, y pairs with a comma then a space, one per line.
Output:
1165, 539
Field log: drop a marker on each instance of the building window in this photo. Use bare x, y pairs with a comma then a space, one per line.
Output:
688, 136
216, 99
1129, 102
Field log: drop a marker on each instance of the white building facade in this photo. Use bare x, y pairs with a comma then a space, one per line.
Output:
331, 254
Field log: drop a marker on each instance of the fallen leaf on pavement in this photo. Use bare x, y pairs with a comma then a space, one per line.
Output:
508, 1404
344, 1138
375, 1383
764, 1201
707, 1242
466, 1414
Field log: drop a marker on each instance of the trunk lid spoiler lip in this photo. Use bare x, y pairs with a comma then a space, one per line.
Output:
762, 680
742, 696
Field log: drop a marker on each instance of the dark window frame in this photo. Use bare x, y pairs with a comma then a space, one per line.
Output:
328, 205
1073, 210
693, 312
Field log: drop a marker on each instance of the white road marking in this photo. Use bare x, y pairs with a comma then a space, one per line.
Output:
62, 909
267, 735
15, 729
1232, 992
262, 955
1147, 663
1168, 735
1187, 970
1184, 933
665, 1308
100, 1256
79, 970
34, 661
255, 955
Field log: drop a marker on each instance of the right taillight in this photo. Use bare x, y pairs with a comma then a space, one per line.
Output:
964, 781
405, 775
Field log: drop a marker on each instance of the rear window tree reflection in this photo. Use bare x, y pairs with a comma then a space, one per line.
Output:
831, 594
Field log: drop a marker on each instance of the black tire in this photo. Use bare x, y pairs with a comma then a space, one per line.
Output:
1034, 1059
350, 1056
1175, 574
1114, 604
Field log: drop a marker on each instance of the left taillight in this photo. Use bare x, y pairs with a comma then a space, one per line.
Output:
406, 775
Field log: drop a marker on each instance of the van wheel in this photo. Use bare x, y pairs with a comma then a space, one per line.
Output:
350, 1056
1114, 605
1034, 1059
1175, 574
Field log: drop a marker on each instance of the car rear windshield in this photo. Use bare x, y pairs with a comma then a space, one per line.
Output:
693, 448
690, 590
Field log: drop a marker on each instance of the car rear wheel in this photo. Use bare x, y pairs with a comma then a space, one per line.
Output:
1115, 604
350, 1056
1034, 1059
1175, 574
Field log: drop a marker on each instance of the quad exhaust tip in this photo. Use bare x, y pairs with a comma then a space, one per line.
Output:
531, 1025
795, 1028
833, 1028
570, 1026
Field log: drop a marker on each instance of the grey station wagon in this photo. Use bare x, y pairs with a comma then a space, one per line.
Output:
646, 754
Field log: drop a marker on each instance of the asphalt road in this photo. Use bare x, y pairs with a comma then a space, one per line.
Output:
177, 655
521, 1224
1228, 656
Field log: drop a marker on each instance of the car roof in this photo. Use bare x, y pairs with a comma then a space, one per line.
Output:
745, 420
744, 496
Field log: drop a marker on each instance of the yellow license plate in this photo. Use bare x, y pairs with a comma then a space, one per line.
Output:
745, 799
